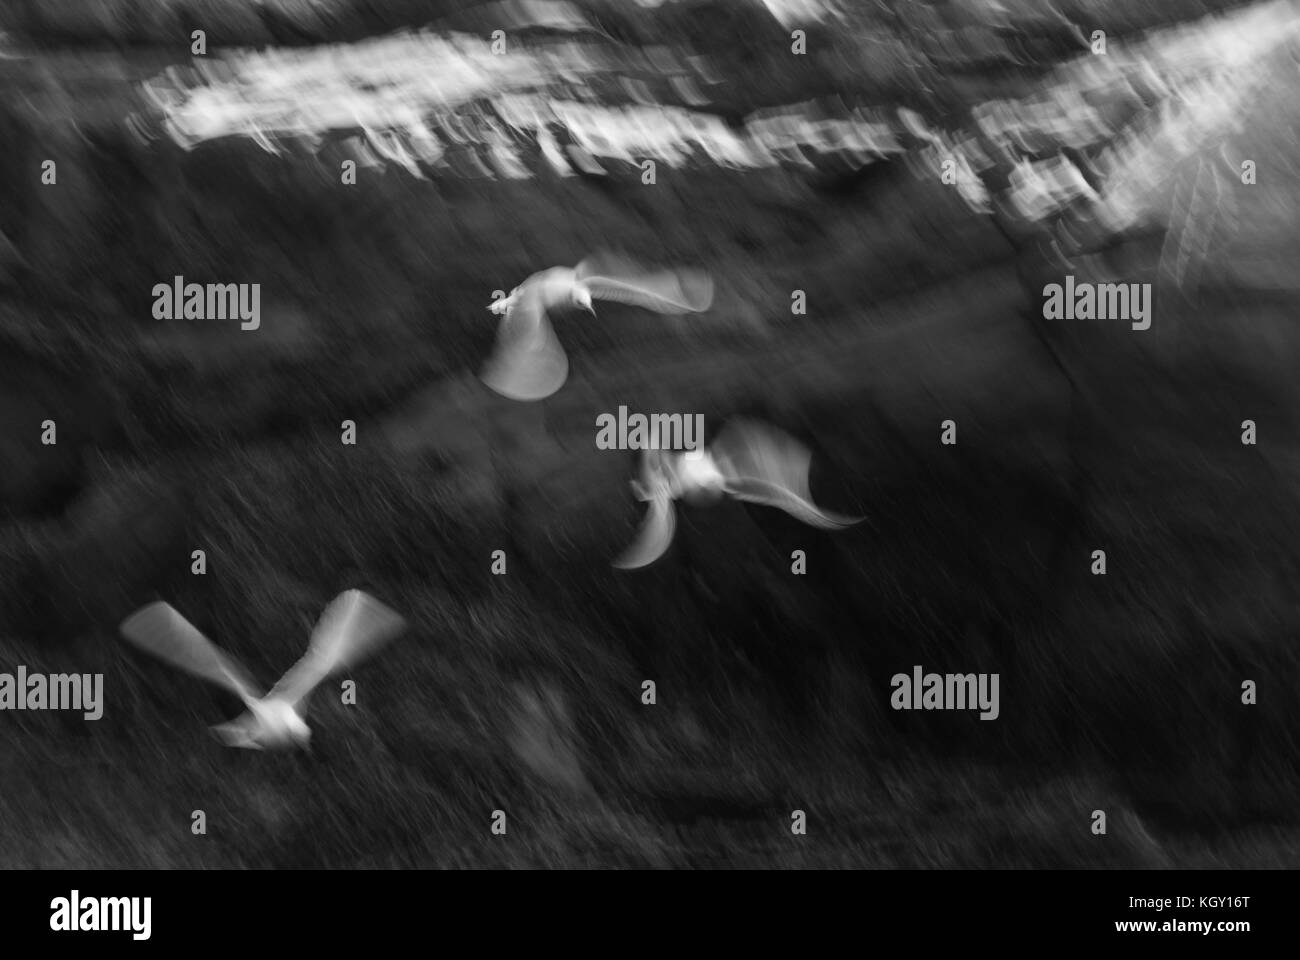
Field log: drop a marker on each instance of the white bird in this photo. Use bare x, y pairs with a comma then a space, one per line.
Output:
352, 627
529, 363
749, 461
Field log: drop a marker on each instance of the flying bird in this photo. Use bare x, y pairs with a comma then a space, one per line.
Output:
529, 363
352, 627
750, 461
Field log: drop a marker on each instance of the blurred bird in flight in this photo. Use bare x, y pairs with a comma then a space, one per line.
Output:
352, 627
529, 362
750, 461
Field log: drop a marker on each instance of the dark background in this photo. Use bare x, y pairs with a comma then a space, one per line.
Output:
522, 692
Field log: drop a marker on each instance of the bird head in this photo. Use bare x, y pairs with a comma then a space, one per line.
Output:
654, 480
582, 298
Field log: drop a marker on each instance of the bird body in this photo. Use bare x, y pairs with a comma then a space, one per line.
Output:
529, 363
698, 477
352, 627
750, 461
555, 287
268, 724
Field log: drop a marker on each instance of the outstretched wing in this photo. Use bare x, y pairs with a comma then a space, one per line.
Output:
528, 362
763, 464
654, 536
801, 508
352, 628
677, 291
160, 630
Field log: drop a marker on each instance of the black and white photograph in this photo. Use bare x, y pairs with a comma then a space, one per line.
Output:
649, 435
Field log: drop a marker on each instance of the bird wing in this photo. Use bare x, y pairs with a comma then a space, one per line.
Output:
352, 627
664, 291
774, 495
160, 630
528, 362
763, 464
751, 449
654, 536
